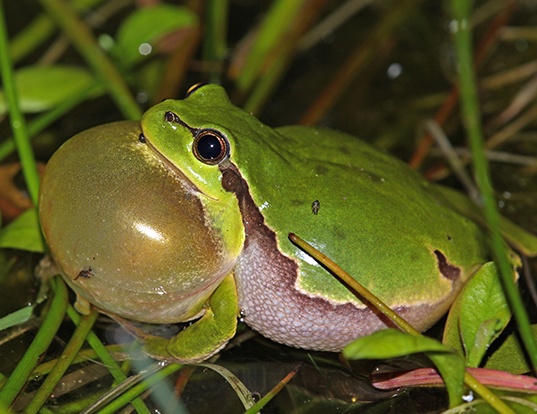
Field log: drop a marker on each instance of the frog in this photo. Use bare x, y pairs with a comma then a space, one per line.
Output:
184, 217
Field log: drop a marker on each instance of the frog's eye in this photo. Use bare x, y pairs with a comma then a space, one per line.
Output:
210, 147
194, 88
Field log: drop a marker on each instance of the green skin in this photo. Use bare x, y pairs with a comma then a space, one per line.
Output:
378, 219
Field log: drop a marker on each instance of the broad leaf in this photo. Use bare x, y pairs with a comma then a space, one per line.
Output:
478, 316
41, 88
16, 318
143, 28
391, 343
510, 356
23, 233
484, 313
451, 368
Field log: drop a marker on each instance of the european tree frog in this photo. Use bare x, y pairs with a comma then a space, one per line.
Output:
186, 217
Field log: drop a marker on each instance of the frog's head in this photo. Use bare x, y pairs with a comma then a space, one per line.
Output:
129, 231
199, 135
197, 139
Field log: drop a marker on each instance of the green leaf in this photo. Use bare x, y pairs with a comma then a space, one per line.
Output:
451, 368
484, 313
16, 318
510, 356
41, 88
23, 233
391, 343
244, 394
478, 316
147, 26
452, 334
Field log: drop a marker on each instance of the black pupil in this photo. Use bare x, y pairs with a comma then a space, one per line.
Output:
209, 147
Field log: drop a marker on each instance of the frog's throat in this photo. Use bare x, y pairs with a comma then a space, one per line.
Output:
272, 304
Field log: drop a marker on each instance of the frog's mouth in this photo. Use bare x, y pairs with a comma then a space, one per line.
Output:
189, 185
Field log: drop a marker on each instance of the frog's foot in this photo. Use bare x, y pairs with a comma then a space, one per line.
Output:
206, 336
82, 306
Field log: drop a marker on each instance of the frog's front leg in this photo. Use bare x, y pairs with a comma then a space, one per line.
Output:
206, 336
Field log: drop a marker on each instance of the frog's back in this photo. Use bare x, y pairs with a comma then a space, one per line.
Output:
367, 200
377, 218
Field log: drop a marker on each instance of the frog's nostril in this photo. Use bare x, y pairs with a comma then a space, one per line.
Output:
169, 116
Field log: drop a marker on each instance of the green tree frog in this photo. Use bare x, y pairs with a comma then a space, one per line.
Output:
185, 217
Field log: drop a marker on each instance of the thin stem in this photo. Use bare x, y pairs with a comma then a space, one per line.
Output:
17, 121
276, 26
39, 30
472, 120
83, 40
354, 285
107, 359
138, 389
469, 380
46, 119
214, 41
486, 394
68, 355
20, 375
